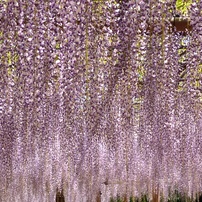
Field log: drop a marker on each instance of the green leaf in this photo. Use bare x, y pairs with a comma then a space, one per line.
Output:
183, 5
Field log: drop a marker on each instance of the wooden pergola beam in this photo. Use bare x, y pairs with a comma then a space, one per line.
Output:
178, 25
181, 25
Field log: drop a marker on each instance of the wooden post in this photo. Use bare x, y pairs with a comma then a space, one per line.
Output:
125, 198
98, 197
60, 196
156, 195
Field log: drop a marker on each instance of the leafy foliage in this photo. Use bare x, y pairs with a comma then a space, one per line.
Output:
183, 6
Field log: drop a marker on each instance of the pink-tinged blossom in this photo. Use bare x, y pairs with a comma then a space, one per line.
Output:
98, 97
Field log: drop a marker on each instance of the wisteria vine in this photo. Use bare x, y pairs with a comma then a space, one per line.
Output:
98, 98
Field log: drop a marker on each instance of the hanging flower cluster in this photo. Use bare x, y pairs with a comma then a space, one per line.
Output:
98, 97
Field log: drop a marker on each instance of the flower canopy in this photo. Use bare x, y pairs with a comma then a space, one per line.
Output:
99, 97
